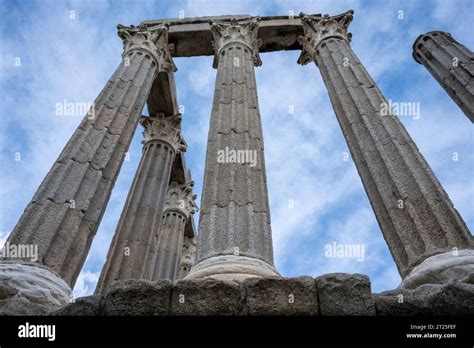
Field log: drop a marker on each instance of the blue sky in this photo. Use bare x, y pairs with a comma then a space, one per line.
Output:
316, 198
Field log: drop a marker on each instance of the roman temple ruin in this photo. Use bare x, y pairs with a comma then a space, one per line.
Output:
155, 243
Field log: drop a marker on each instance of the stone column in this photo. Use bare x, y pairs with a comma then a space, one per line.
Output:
188, 256
64, 214
234, 240
179, 207
451, 64
428, 239
133, 250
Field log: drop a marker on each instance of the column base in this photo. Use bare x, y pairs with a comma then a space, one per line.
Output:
442, 268
231, 267
33, 283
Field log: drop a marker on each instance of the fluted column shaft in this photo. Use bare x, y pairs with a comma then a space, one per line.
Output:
133, 250
451, 64
170, 244
415, 214
66, 210
179, 207
235, 215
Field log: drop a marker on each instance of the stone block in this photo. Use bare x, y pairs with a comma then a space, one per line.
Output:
281, 296
20, 306
83, 306
345, 294
137, 297
431, 299
206, 297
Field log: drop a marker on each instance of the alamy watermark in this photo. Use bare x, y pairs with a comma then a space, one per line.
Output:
335, 250
19, 251
28, 330
68, 108
237, 156
409, 109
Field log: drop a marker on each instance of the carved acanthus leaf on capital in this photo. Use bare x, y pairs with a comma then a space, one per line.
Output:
164, 128
153, 40
236, 31
188, 255
317, 28
180, 197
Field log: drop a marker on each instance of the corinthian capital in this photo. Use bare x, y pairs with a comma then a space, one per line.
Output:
180, 197
153, 40
236, 31
319, 28
189, 252
164, 128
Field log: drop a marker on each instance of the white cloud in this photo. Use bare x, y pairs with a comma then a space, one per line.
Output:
3, 238
85, 284
456, 17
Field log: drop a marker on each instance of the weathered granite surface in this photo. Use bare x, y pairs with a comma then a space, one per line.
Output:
206, 297
235, 216
191, 36
178, 209
451, 64
83, 306
137, 297
132, 253
418, 220
280, 296
442, 269
21, 306
328, 295
188, 256
345, 294
415, 214
33, 283
64, 214
454, 298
